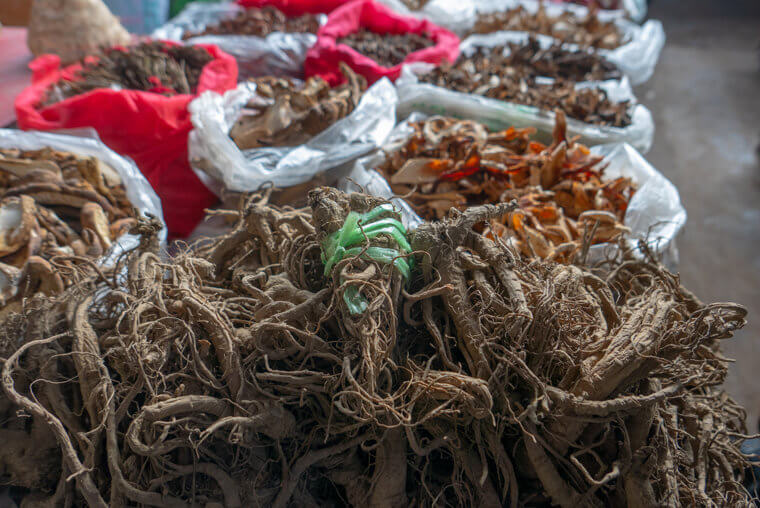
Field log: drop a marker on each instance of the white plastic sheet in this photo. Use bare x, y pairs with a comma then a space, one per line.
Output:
637, 57
139, 192
455, 15
498, 115
277, 54
655, 214
213, 115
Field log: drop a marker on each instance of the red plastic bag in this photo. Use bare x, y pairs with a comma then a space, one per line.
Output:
150, 128
295, 7
324, 57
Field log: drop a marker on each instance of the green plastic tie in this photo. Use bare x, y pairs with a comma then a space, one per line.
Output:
349, 241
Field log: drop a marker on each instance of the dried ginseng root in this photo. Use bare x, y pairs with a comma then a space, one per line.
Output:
485, 68
259, 22
286, 114
149, 66
56, 209
588, 31
386, 49
564, 200
326, 357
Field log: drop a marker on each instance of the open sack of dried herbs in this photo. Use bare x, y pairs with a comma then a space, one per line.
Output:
634, 49
575, 203
284, 132
136, 99
374, 41
326, 356
264, 41
66, 202
514, 79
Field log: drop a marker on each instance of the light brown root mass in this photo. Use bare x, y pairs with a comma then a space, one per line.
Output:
234, 375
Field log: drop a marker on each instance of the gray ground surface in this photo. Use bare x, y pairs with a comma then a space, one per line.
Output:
705, 98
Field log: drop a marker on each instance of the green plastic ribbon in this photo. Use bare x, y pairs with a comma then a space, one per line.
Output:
349, 241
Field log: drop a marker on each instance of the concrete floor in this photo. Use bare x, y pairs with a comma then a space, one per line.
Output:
705, 98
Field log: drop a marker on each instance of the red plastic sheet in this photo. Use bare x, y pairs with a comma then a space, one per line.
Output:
324, 57
296, 7
150, 128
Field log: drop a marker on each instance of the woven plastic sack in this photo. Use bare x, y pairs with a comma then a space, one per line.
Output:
213, 115
149, 127
138, 190
498, 115
324, 57
637, 57
277, 54
655, 214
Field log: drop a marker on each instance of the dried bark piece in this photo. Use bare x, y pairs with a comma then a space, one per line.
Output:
17, 221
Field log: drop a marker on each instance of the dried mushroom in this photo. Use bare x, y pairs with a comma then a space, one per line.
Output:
588, 31
512, 74
286, 114
386, 49
563, 199
259, 22
55, 205
149, 66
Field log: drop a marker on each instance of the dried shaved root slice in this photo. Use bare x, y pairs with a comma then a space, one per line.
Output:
17, 220
565, 202
94, 218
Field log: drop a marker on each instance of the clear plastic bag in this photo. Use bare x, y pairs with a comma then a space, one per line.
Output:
637, 57
351, 137
455, 15
497, 114
86, 142
655, 214
277, 54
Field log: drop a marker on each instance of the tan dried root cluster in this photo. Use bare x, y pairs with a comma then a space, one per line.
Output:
286, 114
234, 375
57, 210
564, 200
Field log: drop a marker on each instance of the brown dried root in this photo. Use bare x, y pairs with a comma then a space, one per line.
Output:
232, 375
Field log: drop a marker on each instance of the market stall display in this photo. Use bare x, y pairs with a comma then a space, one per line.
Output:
150, 124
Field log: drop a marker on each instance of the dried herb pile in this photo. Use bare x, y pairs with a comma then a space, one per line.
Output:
149, 66
260, 22
286, 114
386, 49
236, 375
564, 201
524, 61
57, 210
588, 31
510, 79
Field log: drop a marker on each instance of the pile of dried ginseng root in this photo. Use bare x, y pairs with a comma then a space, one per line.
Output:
564, 201
310, 359
57, 211
284, 113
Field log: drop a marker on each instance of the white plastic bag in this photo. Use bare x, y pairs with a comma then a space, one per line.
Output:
213, 115
637, 57
655, 214
138, 190
498, 115
277, 54
455, 15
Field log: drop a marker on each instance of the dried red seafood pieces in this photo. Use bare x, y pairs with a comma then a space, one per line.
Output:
588, 31
563, 199
386, 49
149, 66
291, 114
260, 22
